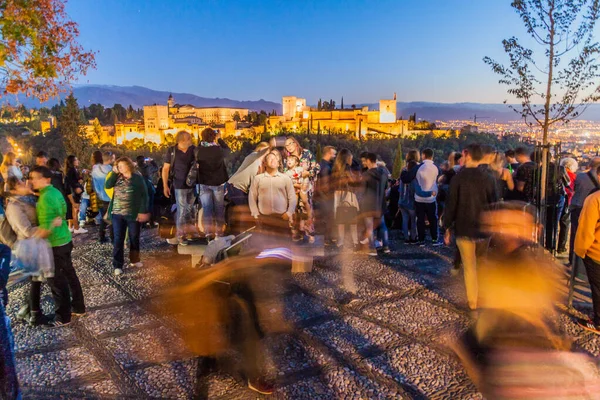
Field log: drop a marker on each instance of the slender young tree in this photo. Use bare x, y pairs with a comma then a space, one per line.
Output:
397, 168
551, 87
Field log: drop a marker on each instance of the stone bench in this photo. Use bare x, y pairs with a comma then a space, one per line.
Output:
196, 250
304, 254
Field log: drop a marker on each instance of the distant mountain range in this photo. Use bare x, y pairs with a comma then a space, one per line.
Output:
139, 96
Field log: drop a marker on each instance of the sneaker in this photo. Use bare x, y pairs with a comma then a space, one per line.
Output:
420, 243
77, 314
24, 314
386, 250
71, 229
80, 230
261, 386
373, 252
183, 241
57, 323
364, 241
437, 244
454, 270
589, 325
136, 265
118, 271
412, 241
103, 240
81, 223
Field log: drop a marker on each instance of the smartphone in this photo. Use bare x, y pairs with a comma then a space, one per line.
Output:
280, 141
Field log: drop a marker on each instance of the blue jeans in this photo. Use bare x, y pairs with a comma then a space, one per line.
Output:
212, 199
381, 233
409, 219
185, 199
85, 203
120, 225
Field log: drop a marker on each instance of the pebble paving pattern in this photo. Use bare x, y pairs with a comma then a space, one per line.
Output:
389, 344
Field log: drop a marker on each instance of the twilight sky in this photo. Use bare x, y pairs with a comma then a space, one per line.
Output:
363, 50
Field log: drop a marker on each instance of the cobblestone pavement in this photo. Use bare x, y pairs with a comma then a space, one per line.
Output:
388, 344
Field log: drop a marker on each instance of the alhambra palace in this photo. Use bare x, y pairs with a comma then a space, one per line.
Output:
162, 120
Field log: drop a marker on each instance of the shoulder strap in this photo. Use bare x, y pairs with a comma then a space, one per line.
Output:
174, 148
593, 179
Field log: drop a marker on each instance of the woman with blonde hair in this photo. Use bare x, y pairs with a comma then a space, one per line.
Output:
128, 209
9, 167
504, 179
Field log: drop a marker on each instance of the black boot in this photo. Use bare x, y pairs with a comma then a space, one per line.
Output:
37, 318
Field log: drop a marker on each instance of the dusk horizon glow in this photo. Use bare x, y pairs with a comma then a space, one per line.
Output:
246, 50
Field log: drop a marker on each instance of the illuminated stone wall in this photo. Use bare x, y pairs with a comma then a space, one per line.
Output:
156, 118
387, 111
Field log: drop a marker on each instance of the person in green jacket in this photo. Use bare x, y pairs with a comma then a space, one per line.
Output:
128, 209
51, 206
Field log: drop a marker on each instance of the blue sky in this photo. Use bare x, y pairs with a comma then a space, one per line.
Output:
363, 50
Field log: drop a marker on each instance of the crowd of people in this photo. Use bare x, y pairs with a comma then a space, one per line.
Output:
282, 187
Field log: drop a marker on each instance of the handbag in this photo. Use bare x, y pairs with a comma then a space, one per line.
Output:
346, 210
192, 177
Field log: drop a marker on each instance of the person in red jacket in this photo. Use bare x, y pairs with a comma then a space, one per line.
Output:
564, 222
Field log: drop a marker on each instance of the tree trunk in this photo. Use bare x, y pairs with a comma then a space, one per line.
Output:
545, 127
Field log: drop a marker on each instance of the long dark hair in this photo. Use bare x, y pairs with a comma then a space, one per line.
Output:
70, 163
97, 157
341, 165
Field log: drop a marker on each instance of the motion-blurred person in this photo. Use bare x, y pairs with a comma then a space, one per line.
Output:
585, 183
472, 190
212, 176
345, 183
147, 167
21, 215
571, 166
128, 209
426, 207
10, 168
9, 383
219, 310
272, 198
324, 195
50, 206
514, 350
177, 164
238, 186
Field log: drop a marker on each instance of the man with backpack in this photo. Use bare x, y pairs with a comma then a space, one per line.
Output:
177, 164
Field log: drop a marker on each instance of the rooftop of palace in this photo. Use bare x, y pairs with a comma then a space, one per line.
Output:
193, 106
